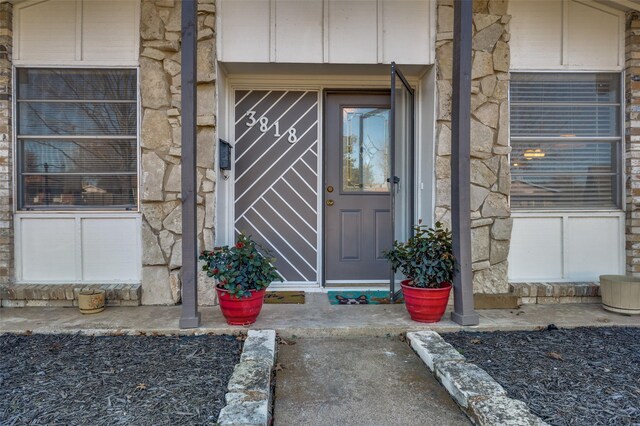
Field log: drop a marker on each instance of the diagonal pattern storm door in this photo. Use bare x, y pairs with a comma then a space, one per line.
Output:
402, 162
276, 177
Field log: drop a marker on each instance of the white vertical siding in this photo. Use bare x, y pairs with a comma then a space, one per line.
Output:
67, 32
48, 249
353, 32
565, 34
78, 247
536, 249
47, 30
593, 36
566, 246
405, 24
299, 34
326, 31
110, 249
593, 247
244, 30
536, 34
109, 30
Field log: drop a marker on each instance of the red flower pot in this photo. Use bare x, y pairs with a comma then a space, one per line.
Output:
425, 304
243, 311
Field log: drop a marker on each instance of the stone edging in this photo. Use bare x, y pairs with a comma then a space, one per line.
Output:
248, 395
479, 395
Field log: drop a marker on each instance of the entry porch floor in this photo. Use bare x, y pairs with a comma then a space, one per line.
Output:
316, 318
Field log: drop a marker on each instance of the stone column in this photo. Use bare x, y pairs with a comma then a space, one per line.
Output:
160, 32
6, 167
490, 173
632, 142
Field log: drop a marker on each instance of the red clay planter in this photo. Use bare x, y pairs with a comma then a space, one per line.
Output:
425, 304
242, 311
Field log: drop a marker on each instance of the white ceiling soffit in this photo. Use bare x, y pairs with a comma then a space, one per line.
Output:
625, 5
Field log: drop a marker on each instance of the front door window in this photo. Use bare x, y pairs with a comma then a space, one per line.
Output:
365, 148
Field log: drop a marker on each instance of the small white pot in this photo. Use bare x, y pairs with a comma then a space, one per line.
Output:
620, 294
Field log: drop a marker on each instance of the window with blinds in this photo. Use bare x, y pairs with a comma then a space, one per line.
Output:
76, 138
566, 140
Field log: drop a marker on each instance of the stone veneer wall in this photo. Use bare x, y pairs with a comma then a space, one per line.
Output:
490, 171
6, 172
632, 141
160, 87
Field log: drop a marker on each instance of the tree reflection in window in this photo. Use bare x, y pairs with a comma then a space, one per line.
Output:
77, 145
365, 146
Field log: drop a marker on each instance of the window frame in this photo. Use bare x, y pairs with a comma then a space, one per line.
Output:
17, 189
619, 195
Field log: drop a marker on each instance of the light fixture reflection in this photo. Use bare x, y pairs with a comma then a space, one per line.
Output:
533, 153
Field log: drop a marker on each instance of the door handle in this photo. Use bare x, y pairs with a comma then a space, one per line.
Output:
330, 202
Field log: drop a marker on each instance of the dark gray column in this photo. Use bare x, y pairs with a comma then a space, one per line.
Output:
190, 317
463, 313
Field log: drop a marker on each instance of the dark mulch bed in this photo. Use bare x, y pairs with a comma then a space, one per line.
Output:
584, 376
114, 380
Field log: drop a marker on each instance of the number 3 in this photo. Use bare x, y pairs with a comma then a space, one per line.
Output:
252, 118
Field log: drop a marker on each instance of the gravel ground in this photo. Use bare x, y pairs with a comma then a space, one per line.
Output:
114, 380
584, 376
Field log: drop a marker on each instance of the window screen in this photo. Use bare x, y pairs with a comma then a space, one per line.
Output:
77, 138
566, 140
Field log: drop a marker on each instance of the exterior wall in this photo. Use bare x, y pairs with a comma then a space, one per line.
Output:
325, 31
632, 142
6, 169
490, 173
574, 244
160, 87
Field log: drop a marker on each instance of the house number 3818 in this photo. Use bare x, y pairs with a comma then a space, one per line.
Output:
292, 137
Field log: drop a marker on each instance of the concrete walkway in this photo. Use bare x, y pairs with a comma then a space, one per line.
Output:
316, 318
358, 381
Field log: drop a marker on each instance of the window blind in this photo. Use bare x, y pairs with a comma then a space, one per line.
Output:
77, 138
566, 140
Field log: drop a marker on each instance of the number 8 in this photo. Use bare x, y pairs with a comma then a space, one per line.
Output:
264, 124
292, 135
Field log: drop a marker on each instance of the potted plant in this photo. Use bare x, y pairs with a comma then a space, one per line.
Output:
242, 272
427, 260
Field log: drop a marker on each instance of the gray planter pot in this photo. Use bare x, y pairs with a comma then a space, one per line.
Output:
620, 294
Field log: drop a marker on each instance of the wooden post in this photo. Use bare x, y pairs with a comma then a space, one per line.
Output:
463, 312
190, 317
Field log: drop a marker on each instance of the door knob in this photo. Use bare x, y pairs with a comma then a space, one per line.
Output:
330, 202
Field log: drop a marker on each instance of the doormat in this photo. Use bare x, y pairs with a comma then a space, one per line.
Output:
285, 297
355, 297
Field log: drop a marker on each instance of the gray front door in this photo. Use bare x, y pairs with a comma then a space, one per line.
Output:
357, 217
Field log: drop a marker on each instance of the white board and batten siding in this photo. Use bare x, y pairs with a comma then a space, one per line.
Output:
566, 36
570, 247
326, 31
77, 32
77, 247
